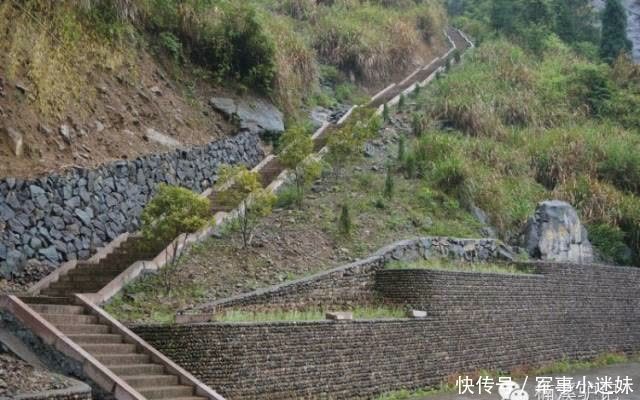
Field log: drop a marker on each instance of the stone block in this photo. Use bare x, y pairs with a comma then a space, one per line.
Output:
339, 316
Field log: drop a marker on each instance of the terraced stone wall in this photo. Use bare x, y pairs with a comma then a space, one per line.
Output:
67, 216
488, 321
353, 283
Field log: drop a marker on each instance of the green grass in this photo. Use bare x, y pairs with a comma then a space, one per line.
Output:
360, 313
513, 128
444, 264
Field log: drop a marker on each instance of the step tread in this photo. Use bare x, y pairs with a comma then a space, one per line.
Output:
123, 360
58, 309
134, 369
110, 337
77, 329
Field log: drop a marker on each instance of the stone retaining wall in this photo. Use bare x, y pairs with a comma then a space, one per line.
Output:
353, 283
67, 216
79, 391
488, 321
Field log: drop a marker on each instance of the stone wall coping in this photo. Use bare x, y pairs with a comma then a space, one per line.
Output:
322, 322
185, 377
51, 336
79, 388
427, 271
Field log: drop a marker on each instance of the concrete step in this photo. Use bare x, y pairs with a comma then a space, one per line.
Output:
96, 338
167, 392
84, 328
47, 300
136, 369
96, 270
57, 309
119, 360
109, 348
146, 381
84, 278
75, 285
66, 319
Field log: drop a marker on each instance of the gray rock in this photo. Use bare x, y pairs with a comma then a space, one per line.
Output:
253, 115
153, 135
15, 141
3, 252
555, 233
65, 132
318, 116
50, 253
85, 215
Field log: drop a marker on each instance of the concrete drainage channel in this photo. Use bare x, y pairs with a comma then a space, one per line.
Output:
60, 316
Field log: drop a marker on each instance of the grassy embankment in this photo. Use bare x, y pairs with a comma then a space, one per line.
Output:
277, 48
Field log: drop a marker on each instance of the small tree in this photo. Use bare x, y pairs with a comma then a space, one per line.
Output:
172, 212
255, 202
401, 102
385, 112
401, 148
416, 91
297, 145
345, 225
346, 143
614, 31
389, 185
418, 124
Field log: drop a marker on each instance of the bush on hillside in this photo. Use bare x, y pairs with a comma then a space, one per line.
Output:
171, 212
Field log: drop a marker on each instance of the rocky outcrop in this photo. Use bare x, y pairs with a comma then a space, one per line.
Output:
253, 115
555, 233
68, 216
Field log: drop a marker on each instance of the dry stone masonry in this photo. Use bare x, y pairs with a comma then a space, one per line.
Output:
353, 283
67, 216
474, 321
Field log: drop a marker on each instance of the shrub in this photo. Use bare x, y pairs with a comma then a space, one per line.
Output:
610, 242
401, 102
297, 145
346, 143
388, 185
255, 202
385, 112
621, 165
172, 212
401, 148
345, 224
228, 38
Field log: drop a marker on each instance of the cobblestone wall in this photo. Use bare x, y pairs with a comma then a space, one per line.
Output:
67, 216
475, 321
353, 283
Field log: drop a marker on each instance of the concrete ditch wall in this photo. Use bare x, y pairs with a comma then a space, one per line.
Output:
67, 216
353, 283
476, 320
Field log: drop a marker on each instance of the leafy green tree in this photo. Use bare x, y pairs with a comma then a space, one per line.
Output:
297, 145
173, 211
255, 201
346, 143
614, 31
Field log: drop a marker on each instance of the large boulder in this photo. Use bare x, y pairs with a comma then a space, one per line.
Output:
253, 115
555, 233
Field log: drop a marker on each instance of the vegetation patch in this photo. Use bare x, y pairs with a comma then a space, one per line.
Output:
444, 264
359, 313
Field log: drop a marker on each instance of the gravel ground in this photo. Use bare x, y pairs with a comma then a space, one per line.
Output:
18, 377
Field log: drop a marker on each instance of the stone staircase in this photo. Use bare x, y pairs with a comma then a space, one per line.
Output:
115, 351
91, 277
112, 349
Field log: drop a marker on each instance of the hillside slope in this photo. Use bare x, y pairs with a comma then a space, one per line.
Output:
84, 82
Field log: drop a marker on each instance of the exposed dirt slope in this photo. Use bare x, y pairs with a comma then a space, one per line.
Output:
109, 122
